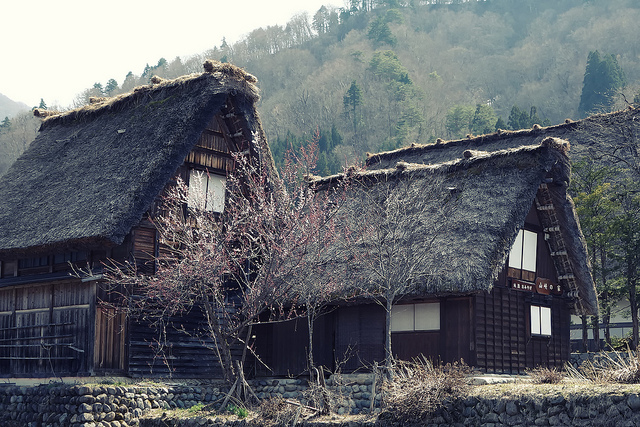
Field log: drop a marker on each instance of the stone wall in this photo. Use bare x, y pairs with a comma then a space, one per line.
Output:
123, 406
94, 405
602, 358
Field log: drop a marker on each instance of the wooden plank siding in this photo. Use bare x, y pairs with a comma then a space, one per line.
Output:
359, 336
178, 348
283, 346
111, 347
46, 329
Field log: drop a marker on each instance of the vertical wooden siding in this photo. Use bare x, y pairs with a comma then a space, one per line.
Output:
503, 339
283, 346
46, 329
359, 335
110, 344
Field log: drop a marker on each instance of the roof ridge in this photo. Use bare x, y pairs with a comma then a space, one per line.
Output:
496, 136
224, 73
469, 158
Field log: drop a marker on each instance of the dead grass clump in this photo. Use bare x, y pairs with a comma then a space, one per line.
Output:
622, 368
276, 412
418, 389
542, 375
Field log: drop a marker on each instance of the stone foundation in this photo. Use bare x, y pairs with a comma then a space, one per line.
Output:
487, 406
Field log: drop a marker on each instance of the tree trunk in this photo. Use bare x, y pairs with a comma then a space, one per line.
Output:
585, 333
595, 323
606, 316
606, 319
633, 305
387, 339
222, 346
310, 317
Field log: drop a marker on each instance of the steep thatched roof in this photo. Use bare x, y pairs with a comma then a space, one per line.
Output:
489, 195
93, 172
602, 135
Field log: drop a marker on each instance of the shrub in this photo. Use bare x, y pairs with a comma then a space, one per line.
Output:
239, 411
196, 408
276, 412
618, 368
542, 375
417, 389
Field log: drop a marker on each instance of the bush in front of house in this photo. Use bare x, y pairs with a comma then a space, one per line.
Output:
417, 389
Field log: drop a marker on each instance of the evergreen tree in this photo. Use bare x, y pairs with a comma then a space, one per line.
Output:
518, 119
352, 100
6, 123
459, 119
336, 138
112, 85
98, 89
500, 124
603, 76
42, 105
484, 120
380, 33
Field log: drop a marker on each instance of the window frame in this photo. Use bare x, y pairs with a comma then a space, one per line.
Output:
523, 256
429, 317
213, 202
540, 321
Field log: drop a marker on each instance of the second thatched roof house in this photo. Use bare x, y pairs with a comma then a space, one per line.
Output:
492, 247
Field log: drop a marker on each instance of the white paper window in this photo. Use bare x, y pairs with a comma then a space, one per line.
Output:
540, 320
402, 318
206, 191
415, 317
524, 251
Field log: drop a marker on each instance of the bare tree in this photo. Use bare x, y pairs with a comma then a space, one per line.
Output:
239, 266
392, 221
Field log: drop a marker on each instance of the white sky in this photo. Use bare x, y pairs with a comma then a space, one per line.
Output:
55, 49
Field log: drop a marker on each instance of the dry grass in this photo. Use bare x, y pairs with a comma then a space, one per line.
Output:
277, 412
542, 375
417, 389
610, 368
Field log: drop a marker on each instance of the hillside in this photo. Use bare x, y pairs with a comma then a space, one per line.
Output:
9, 108
387, 73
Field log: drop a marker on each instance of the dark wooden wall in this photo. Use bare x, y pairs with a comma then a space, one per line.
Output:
452, 343
503, 340
178, 348
283, 346
47, 329
360, 332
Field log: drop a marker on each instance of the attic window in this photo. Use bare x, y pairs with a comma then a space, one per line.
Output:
415, 317
206, 191
522, 258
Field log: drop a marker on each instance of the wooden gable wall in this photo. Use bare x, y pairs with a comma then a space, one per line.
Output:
504, 343
176, 348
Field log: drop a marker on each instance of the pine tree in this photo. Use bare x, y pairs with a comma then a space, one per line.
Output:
353, 99
603, 77
6, 123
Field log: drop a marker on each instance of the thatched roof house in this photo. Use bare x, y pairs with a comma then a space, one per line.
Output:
602, 135
81, 194
473, 295
493, 192
93, 172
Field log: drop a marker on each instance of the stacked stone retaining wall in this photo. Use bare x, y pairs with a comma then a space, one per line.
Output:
487, 406
600, 359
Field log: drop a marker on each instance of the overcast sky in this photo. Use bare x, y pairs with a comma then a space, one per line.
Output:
56, 49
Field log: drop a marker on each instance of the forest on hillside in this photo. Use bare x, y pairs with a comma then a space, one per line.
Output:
380, 74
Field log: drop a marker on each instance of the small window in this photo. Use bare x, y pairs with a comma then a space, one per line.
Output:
206, 191
540, 320
415, 317
524, 250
